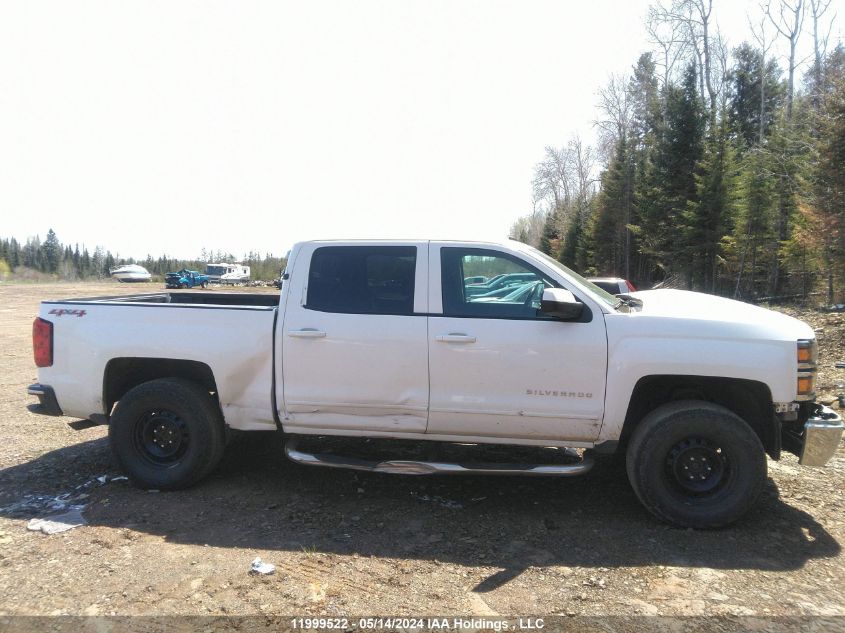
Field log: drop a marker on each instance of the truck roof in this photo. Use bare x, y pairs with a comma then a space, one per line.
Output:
511, 243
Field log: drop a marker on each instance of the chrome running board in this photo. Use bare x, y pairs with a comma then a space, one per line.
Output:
406, 467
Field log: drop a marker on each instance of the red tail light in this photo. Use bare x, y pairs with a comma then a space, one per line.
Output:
42, 342
630, 286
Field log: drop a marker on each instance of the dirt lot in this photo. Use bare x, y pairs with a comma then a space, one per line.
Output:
347, 543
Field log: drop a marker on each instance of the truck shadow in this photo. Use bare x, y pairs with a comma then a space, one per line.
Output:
258, 500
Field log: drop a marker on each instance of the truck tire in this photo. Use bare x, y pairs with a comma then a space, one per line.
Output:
204, 285
696, 464
167, 434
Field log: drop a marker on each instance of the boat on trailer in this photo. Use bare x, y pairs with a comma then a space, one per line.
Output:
130, 273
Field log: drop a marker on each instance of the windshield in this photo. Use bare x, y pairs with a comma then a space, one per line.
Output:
215, 270
606, 297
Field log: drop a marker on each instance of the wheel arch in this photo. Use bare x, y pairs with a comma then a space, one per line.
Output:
751, 400
122, 374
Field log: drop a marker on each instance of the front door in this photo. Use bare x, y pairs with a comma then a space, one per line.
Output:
353, 341
498, 368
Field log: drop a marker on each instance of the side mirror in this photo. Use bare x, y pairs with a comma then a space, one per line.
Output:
561, 304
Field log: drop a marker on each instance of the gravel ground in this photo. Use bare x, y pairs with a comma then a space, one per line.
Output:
352, 543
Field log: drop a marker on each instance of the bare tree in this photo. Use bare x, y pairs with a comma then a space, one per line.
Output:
694, 20
529, 228
821, 37
564, 181
617, 107
788, 19
764, 45
721, 59
552, 178
670, 38
583, 160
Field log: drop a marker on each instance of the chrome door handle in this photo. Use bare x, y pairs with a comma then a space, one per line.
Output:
455, 338
306, 333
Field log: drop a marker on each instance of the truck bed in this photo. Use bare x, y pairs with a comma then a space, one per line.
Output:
228, 336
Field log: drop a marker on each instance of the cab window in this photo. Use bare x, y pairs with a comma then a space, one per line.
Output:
362, 279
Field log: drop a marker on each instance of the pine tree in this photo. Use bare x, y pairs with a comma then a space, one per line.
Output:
108, 264
550, 238
710, 216
15, 259
577, 251
613, 213
645, 99
85, 263
829, 186
750, 122
669, 180
51, 251
754, 221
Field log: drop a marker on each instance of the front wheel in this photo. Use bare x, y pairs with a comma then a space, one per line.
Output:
696, 464
167, 434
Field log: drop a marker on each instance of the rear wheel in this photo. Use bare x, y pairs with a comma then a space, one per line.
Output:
696, 464
167, 434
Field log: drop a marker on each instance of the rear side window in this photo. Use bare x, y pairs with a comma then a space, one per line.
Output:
362, 279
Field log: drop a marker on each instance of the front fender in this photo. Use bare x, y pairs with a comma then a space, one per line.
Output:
636, 355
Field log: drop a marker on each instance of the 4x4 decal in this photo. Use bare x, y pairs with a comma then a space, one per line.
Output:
62, 311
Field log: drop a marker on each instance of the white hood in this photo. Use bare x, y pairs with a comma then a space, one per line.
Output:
697, 306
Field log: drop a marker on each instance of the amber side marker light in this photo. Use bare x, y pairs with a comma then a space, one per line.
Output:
808, 351
807, 356
805, 385
42, 342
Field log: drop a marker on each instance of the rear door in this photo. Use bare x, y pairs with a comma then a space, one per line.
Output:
354, 347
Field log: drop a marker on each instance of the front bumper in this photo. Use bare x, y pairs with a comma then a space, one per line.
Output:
47, 403
822, 433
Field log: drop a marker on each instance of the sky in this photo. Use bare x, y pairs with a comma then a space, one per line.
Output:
169, 127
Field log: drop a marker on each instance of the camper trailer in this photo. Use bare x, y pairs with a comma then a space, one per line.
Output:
224, 273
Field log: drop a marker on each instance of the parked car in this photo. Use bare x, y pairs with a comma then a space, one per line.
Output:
613, 285
499, 282
496, 294
185, 279
369, 339
477, 279
513, 294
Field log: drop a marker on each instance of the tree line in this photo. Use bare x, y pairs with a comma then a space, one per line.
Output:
63, 261
719, 169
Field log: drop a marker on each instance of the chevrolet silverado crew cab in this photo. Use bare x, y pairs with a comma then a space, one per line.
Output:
388, 345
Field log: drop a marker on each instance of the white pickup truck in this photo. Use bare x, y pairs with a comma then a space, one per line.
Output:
451, 346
